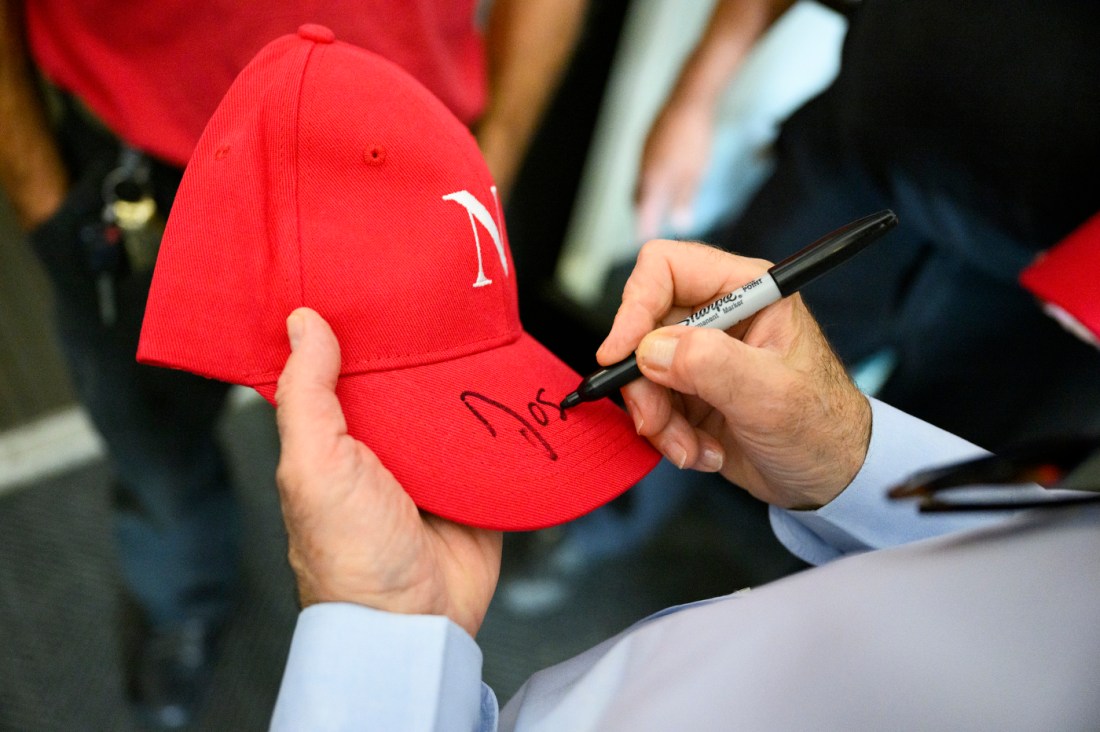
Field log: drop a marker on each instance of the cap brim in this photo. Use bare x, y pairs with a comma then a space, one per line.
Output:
480, 439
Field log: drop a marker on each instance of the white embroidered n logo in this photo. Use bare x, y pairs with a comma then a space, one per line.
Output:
479, 214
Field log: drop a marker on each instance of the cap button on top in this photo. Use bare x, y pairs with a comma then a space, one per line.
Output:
316, 33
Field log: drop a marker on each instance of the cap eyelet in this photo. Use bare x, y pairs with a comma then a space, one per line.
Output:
374, 155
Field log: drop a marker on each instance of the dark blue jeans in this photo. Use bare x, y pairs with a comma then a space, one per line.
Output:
176, 516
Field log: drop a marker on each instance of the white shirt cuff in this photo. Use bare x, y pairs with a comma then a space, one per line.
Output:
353, 667
862, 517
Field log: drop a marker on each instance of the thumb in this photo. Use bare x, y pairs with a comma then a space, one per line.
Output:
309, 414
703, 362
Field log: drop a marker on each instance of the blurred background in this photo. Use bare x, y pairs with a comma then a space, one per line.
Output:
63, 617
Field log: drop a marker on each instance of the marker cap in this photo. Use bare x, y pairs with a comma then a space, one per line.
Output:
805, 266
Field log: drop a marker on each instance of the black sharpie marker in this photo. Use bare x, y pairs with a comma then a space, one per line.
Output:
782, 280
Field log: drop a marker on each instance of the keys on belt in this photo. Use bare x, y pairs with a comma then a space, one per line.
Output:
126, 239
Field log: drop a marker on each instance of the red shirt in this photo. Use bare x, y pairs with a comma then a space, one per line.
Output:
155, 71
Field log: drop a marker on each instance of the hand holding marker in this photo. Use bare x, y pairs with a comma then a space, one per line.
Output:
782, 280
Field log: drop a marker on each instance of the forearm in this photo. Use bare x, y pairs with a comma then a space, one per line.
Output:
734, 28
677, 150
31, 170
530, 43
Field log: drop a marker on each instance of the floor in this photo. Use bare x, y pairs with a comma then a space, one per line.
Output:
64, 628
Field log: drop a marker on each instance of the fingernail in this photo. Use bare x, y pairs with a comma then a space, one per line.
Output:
657, 352
295, 326
633, 412
712, 460
677, 455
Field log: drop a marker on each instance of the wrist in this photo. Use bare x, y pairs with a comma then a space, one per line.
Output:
855, 452
696, 100
35, 180
851, 452
498, 145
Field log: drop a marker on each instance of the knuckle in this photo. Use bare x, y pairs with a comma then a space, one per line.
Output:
652, 406
703, 361
286, 476
283, 386
288, 384
653, 250
693, 354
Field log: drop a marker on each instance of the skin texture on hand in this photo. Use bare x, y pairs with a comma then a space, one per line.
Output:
766, 403
354, 534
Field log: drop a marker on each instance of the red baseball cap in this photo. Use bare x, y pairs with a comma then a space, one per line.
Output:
329, 178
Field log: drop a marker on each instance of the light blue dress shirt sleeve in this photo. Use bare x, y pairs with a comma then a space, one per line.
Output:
354, 668
861, 643
991, 629
862, 518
